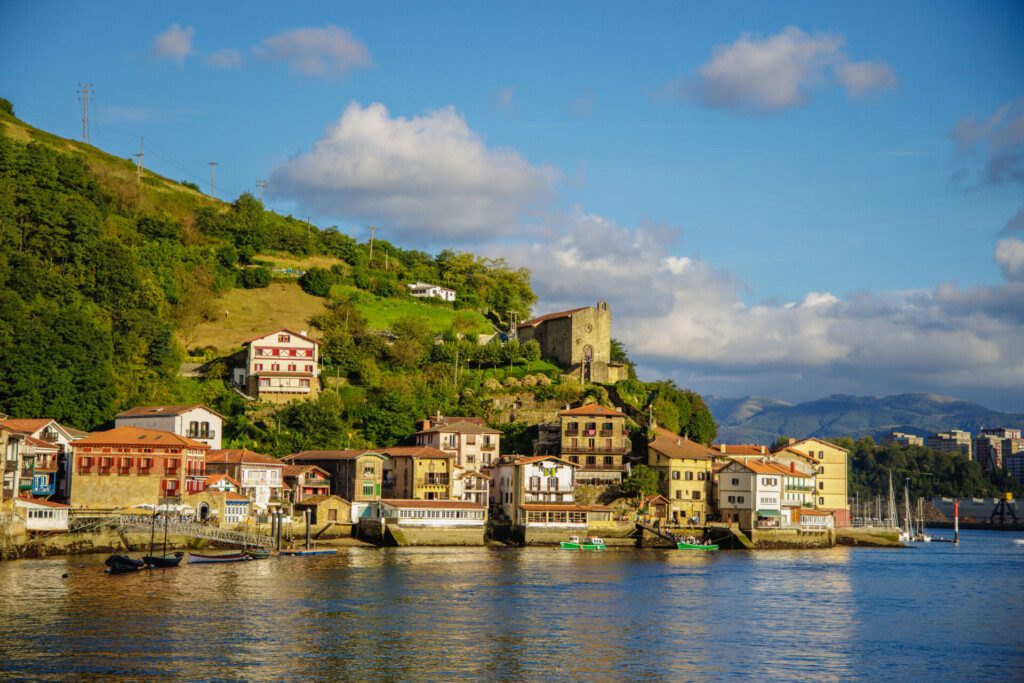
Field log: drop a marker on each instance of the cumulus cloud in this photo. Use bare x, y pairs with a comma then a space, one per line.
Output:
776, 72
428, 178
328, 52
992, 148
224, 59
679, 316
175, 43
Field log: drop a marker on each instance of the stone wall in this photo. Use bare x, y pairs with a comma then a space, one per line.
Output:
774, 539
867, 536
432, 536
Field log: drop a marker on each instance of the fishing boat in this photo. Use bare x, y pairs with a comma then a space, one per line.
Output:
691, 543
590, 543
195, 558
122, 564
164, 562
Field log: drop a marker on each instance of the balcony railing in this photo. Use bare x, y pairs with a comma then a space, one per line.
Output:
606, 432
316, 482
602, 466
595, 449
212, 434
487, 446
543, 489
432, 481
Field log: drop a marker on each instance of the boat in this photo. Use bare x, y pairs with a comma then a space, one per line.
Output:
258, 554
122, 564
195, 558
164, 562
302, 552
589, 543
691, 543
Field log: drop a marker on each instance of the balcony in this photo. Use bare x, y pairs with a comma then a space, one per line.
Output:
171, 472
104, 470
596, 449
488, 446
606, 432
543, 489
122, 471
437, 480
202, 436
602, 466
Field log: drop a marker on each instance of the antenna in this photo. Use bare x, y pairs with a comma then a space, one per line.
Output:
84, 94
373, 229
213, 166
260, 186
307, 226
140, 156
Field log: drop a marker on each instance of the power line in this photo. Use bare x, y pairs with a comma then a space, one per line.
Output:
260, 186
141, 156
213, 167
373, 229
84, 97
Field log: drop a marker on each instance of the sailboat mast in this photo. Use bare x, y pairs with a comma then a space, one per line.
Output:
906, 506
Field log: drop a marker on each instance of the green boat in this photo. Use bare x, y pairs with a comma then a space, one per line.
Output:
690, 543
590, 543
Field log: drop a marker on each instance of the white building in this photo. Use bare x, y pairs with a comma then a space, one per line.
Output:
426, 290
750, 493
194, 422
42, 515
473, 443
430, 513
280, 366
540, 479
261, 476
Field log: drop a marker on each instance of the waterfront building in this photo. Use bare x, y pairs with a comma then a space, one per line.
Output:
357, 476
261, 476
44, 453
803, 462
529, 480
121, 468
220, 501
326, 509
832, 476
280, 366
685, 474
11, 442
424, 290
656, 507
903, 439
563, 517
798, 491
473, 443
595, 438
750, 493
580, 340
953, 441
471, 485
195, 421
304, 481
992, 446
419, 473
42, 515
438, 514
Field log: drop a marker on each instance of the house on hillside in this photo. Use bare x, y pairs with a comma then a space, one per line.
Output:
195, 421
595, 438
580, 340
42, 448
280, 366
685, 474
473, 443
424, 290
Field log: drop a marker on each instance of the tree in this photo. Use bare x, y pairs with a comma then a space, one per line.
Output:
256, 278
642, 481
318, 281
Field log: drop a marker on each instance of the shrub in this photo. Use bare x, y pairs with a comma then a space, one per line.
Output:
255, 278
318, 281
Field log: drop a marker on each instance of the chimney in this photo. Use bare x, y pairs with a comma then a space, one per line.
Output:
792, 441
304, 333
721, 447
424, 425
792, 467
764, 449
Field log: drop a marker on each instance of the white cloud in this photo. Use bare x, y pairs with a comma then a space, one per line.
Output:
428, 179
328, 52
992, 150
175, 43
1010, 257
777, 72
679, 316
225, 58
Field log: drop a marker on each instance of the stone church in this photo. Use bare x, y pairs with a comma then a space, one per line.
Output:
580, 340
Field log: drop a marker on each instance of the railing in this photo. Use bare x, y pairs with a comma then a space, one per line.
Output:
595, 449
212, 434
585, 466
432, 481
487, 447
541, 489
606, 432
192, 530
316, 482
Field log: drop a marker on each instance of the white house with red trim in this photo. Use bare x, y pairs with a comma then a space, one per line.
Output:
194, 422
280, 366
42, 515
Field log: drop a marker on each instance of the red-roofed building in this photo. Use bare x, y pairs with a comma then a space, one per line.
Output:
750, 493
536, 479
304, 481
684, 469
579, 339
261, 476
280, 366
595, 438
42, 449
194, 421
419, 473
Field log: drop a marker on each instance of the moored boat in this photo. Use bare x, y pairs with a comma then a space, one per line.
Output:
590, 543
258, 554
195, 558
122, 564
691, 543
165, 562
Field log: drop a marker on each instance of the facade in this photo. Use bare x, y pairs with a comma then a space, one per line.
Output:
953, 441
220, 502
750, 493
325, 509
42, 515
798, 491
419, 473
430, 513
685, 473
195, 422
579, 340
903, 439
471, 485
992, 446
44, 456
39, 463
423, 290
832, 477
11, 442
596, 439
534, 480
474, 444
1014, 463
261, 476
121, 468
280, 366
357, 476
304, 481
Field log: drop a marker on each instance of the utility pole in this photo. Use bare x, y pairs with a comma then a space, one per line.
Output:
140, 156
84, 97
307, 226
260, 186
213, 167
373, 229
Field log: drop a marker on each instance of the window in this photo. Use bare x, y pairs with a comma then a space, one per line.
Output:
821, 470
696, 495
552, 483
367, 489
821, 501
264, 382
675, 475
259, 367
309, 368
591, 460
204, 429
735, 481
609, 460
574, 459
732, 499
292, 367
739, 499
470, 458
821, 486
702, 476
275, 367
193, 428
679, 494
303, 382
689, 476
284, 338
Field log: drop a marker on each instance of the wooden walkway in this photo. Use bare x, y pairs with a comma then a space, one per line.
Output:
177, 527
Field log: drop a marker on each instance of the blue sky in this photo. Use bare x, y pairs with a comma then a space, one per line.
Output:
769, 152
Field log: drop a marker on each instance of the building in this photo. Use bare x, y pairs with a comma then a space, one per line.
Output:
536, 479
992, 446
750, 493
42, 515
471, 485
425, 290
419, 473
474, 444
280, 366
685, 472
11, 442
261, 476
596, 439
437, 514
196, 421
953, 441
220, 501
903, 439
121, 468
798, 491
357, 476
580, 340
1013, 463
45, 453
832, 476
326, 509
304, 481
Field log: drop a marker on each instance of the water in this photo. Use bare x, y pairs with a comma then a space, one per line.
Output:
936, 612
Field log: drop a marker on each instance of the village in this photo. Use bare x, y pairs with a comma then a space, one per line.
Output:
451, 484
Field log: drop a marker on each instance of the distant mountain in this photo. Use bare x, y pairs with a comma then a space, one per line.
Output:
761, 420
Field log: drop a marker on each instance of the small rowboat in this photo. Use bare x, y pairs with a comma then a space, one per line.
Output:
590, 543
164, 562
194, 558
690, 543
258, 554
122, 564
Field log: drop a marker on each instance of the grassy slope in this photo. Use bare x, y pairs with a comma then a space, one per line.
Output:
381, 313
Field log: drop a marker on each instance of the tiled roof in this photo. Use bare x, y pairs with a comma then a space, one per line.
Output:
25, 425
540, 458
654, 497
460, 427
316, 500
139, 436
40, 501
473, 473
236, 456
798, 453
228, 495
676, 446
563, 507
283, 329
593, 409
741, 449
299, 470
416, 452
821, 441
349, 454
158, 411
432, 504
39, 443
784, 469
758, 467
551, 316
214, 478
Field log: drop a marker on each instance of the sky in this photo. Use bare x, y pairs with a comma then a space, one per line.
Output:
777, 199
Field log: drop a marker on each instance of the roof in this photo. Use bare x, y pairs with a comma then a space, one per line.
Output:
316, 500
140, 436
653, 498
676, 446
26, 425
39, 443
473, 473
214, 478
593, 409
416, 452
821, 441
298, 470
461, 427
551, 316
758, 467
237, 456
75, 433
783, 469
563, 507
540, 458
40, 501
283, 329
809, 512
798, 453
741, 449
350, 454
429, 504
236, 497
159, 411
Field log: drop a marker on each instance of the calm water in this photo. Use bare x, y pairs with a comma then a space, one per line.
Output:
935, 612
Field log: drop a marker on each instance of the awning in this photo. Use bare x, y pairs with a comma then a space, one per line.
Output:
769, 513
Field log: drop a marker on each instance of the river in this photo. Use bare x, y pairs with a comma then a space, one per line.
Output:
936, 612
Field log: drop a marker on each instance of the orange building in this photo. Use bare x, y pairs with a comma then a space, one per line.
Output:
127, 466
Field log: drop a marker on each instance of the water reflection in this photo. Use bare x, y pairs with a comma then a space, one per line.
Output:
521, 614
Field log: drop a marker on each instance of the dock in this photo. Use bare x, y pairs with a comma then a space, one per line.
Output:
308, 551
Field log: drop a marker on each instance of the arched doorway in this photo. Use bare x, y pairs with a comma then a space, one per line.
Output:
204, 512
